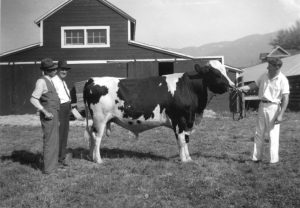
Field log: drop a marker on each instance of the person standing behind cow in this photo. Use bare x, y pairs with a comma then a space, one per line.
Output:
65, 109
46, 100
273, 91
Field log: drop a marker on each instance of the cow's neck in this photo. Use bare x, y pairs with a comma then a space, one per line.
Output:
210, 96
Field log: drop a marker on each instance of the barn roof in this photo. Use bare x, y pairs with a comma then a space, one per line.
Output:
155, 48
290, 67
110, 5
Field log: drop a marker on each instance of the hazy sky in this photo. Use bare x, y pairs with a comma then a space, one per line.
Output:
164, 23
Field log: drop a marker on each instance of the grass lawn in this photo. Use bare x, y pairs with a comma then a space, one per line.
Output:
147, 172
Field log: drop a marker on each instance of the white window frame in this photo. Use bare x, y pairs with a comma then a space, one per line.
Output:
85, 45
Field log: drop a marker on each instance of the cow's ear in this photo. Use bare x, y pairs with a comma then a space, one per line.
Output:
201, 69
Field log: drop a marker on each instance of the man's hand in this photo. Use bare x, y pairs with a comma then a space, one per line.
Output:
279, 119
48, 115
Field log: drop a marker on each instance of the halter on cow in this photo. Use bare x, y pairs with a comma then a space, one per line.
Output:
176, 101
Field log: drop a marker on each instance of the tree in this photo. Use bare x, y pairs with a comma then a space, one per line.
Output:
288, 38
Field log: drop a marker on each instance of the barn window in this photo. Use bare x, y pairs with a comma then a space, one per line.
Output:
85, 37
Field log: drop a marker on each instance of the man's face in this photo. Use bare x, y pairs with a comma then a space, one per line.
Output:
62, 73
51, 73
273, 68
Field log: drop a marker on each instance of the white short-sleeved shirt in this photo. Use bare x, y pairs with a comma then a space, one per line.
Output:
61, 89
272, 89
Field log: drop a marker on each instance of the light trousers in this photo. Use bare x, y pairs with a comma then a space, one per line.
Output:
265, 126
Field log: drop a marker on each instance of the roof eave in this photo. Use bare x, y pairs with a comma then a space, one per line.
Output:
19, 49
158, 49
108, 4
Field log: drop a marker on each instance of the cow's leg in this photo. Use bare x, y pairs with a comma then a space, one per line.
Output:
108, 128
183, 149
97, 137
186, 149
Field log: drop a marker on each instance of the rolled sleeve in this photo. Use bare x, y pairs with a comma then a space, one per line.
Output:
40, 88
285, 86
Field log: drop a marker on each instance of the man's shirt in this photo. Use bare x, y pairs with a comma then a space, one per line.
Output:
273, 89
61, 89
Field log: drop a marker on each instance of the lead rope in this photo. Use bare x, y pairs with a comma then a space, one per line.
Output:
237, 97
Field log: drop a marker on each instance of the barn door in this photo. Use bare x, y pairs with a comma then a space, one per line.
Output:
183, 66
142, 69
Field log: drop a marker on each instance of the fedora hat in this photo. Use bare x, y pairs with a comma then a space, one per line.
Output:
48, 65
62, 64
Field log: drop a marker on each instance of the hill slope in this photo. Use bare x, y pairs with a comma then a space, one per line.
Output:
242, 52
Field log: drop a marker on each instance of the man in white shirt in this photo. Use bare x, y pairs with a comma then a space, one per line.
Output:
65, 108
273, 91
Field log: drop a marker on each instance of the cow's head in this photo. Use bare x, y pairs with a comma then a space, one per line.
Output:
214, 76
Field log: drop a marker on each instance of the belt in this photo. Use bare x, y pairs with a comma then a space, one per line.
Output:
66, 103
267, 101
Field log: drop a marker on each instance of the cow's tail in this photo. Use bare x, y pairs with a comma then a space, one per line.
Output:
87, 132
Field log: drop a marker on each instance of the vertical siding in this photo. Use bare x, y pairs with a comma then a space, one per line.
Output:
294, 102
17, 84
5, 90
142, 69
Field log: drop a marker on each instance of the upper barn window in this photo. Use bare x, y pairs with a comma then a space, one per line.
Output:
85, 37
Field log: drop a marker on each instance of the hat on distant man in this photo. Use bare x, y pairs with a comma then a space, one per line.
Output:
62, 64
47, 64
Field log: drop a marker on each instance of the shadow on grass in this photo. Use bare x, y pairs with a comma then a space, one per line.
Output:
81, 153
24, 157
239, 159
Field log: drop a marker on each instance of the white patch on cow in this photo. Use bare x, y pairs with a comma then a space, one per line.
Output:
160, 84
183, 147
221, 68
157, 120
172, 80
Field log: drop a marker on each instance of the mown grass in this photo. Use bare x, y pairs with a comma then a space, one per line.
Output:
147, 172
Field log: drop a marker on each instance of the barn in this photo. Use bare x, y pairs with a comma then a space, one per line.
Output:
97, 39
290, 68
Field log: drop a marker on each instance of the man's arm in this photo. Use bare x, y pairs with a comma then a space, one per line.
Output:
246, 88
284, 104
37, 93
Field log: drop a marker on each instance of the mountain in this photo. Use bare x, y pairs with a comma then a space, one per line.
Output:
241, 53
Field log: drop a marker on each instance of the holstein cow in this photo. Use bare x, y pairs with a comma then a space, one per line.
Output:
175, 101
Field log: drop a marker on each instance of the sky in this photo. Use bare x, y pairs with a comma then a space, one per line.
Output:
164, 23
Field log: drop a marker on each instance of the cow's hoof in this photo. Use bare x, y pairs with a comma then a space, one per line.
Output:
189, 159
98, 161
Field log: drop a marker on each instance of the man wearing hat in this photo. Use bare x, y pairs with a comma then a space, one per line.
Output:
273, 91
65, 108
46, 100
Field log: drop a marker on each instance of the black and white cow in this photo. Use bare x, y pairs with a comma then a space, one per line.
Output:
175, 101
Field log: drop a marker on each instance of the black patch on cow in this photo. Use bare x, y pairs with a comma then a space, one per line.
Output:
141, 96
130, 122
213, 78
138, 122
191, 95
187, 138
116, 101
92, 93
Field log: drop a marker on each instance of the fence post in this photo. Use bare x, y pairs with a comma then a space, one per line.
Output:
240, 83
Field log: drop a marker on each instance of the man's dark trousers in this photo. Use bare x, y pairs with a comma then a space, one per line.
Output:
64, 117
50, 140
